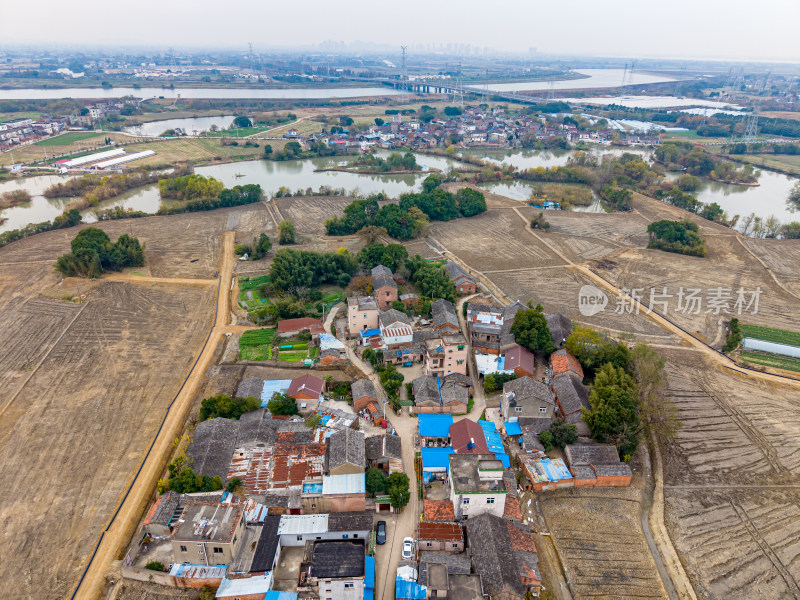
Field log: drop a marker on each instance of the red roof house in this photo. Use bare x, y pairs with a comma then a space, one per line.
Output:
520, 360
290, 327
306, 387
563, 362
467, 437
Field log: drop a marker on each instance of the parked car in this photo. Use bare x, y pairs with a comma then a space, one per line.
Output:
408, 548
381, 537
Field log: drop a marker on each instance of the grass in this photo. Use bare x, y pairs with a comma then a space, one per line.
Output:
65, 139
772, 360
292, 356
256, 344
781, 162
249, 283
257, 337
239, 132
768, 334
333, 299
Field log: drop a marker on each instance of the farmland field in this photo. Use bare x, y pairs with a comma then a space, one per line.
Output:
769, 334
772, 360
65, 139
256, 344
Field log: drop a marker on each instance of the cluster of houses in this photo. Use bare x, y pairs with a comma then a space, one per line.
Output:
474, 127
304, 501
15, 132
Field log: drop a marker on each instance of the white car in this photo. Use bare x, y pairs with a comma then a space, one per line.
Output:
408, 548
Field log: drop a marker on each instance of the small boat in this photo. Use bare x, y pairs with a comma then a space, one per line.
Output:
238, 175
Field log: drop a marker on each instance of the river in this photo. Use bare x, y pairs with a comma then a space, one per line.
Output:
767, 199
596, 78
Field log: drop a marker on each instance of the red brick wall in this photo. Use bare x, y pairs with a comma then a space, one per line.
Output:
618, 481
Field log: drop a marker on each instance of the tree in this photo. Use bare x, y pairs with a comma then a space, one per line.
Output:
267, 150
93, 253
242, 122
791, 231
470, 202
613, 416
261, 246
431, 182
286, 233
226, 407
530, 330
734, 336
313, 421
234, 486
282, 404
563, 433
794, 195
397, 486
379, 121
375, 481
539, 222
659, 414
546, 438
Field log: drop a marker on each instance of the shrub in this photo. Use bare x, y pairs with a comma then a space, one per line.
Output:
154, 565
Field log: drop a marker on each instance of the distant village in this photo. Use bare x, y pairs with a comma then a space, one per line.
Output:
298, 516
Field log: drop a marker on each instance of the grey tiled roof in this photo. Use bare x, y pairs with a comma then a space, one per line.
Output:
363, 387
382, 281
560, 326
526, 389
212, 447
493, 557
383, 446
571, 393
350, 521
392, 315
344, 446
380, 270
257, 426
457, 564
251, 386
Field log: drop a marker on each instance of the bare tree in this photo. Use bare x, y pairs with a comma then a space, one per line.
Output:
658, 412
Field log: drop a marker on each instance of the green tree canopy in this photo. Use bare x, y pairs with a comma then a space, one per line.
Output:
286, 233
397, 486
282, 404
375, 481
613, 417
530, 330
226, 407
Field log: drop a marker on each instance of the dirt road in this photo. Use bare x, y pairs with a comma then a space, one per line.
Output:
133, 503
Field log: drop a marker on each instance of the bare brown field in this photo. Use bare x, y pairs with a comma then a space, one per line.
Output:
655, 210
731, 481
780, 114
727, 266
781, 257
599, 538
308, 213
493, 241
84, 418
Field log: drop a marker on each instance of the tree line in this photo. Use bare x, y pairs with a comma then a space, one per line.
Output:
93, 253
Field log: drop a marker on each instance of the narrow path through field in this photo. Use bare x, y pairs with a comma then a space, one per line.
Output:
768, 270
125, 520
284, 126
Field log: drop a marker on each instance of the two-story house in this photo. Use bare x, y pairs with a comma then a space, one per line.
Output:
396, 330
526, 397
476, 485
383, 287
362, 314
445, 355
208, 533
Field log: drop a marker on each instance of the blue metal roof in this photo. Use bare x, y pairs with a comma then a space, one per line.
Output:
276, 595
435, 425
503, 458
492, 437
274, 386
436, 458
369, 332
513, 428
369, 572
409, 590
556, 469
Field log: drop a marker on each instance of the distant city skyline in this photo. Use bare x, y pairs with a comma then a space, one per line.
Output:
680, 29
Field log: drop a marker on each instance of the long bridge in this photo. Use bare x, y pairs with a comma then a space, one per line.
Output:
428, 86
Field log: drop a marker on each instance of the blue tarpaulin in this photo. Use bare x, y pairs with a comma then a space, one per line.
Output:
436, 459
409, 590
369, 577
435, 425
513, 428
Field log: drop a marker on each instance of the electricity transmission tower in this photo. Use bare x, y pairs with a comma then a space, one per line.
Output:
630, 72
252, 64
403, 74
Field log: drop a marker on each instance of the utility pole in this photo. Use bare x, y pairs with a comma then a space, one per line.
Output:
403, 74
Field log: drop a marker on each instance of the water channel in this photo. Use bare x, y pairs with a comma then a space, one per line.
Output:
769, 198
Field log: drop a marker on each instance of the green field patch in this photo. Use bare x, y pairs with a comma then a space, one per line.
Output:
295, 346
769, 334
775, 361
255, 353
332, 299
250, 283
292, 356
257, 337
65, 139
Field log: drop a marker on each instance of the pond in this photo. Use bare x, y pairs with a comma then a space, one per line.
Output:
522, 190
189, 125
530, 159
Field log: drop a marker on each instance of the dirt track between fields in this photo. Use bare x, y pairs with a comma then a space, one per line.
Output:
119, 533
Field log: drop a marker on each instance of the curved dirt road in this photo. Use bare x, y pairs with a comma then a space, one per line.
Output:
119, 533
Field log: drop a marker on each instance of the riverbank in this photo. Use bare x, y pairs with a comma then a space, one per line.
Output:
377, 171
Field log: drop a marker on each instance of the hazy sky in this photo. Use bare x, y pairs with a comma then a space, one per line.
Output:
735, 29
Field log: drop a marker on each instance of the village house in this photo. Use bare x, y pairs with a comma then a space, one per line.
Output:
363, 392
597, 465
344, 452
306, 390
362, 314
333, 570
445, 320
467, 437
445, 355
383, 287
293, 327
434, 430
396, 330
463, 282
489, 326
476, 485
526, 397
560, 327
208, 534
504, 555
439, 536
334, 493
384, 452
519, 361
562, 361
433, 395
571, 397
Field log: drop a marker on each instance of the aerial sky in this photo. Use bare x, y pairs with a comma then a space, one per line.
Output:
716, 29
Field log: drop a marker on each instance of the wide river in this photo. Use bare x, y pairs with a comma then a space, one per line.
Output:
595, 79
770, 198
